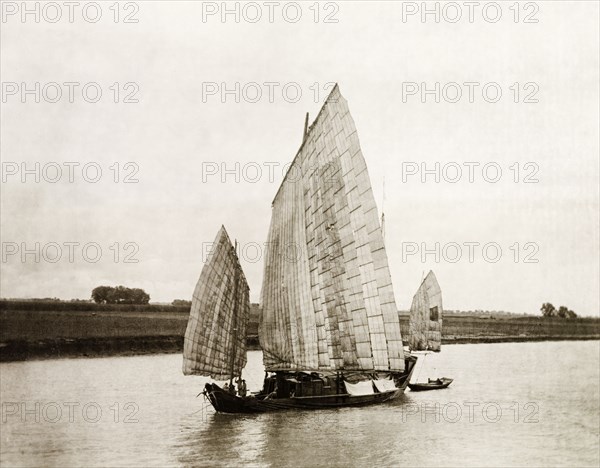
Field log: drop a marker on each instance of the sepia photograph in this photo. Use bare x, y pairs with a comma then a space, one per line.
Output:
300, 234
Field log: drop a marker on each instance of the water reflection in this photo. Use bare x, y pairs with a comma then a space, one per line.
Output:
216, 439
338, 437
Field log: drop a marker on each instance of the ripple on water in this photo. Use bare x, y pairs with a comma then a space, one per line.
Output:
511, 404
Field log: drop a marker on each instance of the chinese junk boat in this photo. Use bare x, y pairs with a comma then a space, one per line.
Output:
425, 326
329, 327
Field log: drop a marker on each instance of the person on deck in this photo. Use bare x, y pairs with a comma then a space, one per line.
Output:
242, 389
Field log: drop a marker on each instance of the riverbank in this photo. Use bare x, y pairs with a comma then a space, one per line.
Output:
61, 348
47, 334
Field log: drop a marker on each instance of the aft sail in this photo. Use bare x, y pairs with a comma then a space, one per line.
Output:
215, 338
327, 296
425, 323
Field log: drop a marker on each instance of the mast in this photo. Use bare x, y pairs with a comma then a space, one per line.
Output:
382, 211
305, 128
235, 310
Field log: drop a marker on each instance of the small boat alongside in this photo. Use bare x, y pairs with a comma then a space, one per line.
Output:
432, 384
425, 325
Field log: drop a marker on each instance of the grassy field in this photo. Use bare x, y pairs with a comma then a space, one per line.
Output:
42, 334
73, 331
465, 329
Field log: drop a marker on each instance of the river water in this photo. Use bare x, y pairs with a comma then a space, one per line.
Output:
511, 404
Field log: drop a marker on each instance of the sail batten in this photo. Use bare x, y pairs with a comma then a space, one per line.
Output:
331, 305
215, 337
425, 323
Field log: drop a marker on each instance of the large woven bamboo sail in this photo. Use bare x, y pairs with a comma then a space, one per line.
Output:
327, 297
219, 314
425, 323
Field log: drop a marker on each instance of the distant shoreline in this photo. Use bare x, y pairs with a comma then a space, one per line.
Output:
30, 330
61, 348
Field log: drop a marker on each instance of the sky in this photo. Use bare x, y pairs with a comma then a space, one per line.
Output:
199, 114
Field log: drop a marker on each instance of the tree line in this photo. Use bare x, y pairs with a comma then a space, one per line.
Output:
119, 295
548, 310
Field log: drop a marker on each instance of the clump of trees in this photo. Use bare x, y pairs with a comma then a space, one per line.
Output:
181, 303
548, 310
119, 295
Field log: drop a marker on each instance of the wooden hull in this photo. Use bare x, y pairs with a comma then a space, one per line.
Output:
422, 387
226, 402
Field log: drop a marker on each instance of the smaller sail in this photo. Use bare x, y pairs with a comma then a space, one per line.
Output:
425, 323
215, 337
